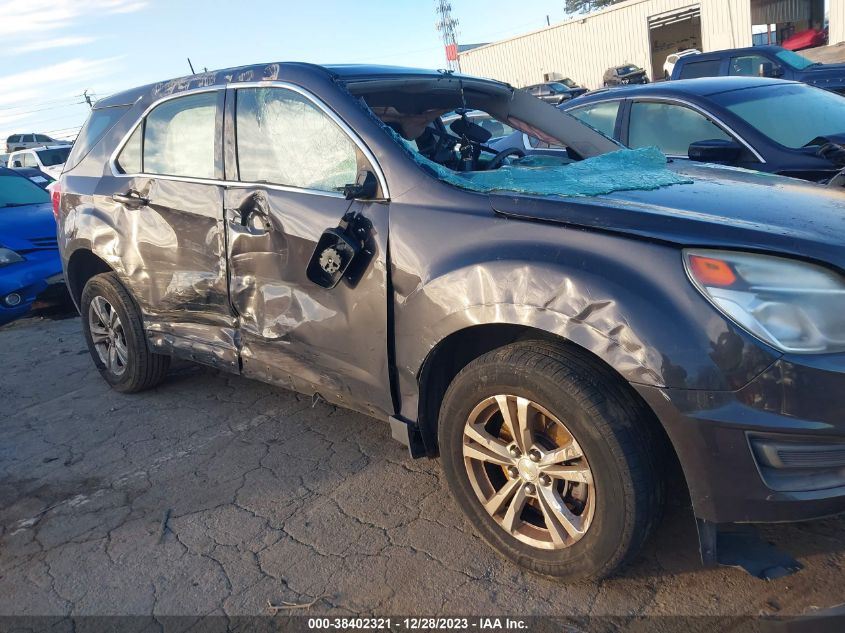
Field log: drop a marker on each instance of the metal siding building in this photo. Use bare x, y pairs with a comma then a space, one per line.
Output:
583, 48
837, 21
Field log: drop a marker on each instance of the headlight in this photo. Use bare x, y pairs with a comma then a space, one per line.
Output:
791, 305
8, 256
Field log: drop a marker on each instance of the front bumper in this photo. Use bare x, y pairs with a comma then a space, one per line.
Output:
29, 279
772, 451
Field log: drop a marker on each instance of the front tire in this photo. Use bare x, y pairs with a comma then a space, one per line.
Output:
115, 336
551, 460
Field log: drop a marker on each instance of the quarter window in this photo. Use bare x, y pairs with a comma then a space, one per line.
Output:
284, 139
669, 127
706, 68
601, 116
129, 160
179, 137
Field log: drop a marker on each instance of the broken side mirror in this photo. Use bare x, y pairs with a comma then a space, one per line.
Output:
334, 253
345, 251
714, 151
365, 187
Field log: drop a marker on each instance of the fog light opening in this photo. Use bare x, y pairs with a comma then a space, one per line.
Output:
12, 299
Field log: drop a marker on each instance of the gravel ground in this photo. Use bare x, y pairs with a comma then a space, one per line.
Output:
213, 494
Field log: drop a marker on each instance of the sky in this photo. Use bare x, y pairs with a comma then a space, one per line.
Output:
56, 50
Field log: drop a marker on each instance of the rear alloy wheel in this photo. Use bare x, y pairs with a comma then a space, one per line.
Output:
552, 458
107, 335
115, 336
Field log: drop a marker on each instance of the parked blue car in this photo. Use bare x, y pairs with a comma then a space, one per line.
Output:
767, 125
30, 267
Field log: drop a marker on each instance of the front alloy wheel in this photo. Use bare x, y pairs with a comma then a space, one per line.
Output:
528, 472
553, 459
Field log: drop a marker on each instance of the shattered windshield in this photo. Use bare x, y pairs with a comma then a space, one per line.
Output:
624, 70
435, 121
622, 170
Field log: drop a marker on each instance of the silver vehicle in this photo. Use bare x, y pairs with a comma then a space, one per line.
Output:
31, 140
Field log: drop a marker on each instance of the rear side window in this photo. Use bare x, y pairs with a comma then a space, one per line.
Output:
601, 116
706, 68
284, 139
179, 137
100, 122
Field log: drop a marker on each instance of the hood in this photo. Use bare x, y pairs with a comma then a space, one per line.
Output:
29, 227
721, 208
826, 75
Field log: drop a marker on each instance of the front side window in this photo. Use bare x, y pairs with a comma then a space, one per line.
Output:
284, 139
669, 127
747, 65
601, 116
179, 137
43, 138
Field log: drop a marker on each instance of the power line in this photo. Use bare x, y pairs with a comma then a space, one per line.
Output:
448, 28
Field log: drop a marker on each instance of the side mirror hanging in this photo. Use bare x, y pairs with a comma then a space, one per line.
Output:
365, 187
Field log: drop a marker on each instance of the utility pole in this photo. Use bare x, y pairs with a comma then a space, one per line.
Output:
448, 28
87, 98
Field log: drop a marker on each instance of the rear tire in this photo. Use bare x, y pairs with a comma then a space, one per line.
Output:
609, 483
115, 337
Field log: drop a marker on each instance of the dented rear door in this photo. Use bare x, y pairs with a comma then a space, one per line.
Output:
165, 195
290, 157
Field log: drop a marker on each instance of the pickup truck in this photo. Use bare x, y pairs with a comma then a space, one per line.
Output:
762, 61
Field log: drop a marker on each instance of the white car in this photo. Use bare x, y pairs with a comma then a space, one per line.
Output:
50, 160
671, 60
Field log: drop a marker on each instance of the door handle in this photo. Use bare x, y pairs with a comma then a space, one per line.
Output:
250, 221
131, 199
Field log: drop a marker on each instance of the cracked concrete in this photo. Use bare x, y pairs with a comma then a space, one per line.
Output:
213, 494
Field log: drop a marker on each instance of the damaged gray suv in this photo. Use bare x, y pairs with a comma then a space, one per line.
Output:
559, 329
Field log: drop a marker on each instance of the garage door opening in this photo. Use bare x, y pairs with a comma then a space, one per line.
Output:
672, 32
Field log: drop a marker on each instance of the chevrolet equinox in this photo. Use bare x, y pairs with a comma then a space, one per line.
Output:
557, 328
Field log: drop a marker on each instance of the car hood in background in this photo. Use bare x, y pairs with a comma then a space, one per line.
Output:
29, 227
723, 207
824, 76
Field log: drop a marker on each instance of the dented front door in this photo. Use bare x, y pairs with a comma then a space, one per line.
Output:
292, 158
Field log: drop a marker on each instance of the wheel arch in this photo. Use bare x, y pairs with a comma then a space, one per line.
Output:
458, 349
81, 266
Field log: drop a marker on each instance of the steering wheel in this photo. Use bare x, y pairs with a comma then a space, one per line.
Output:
499, 159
